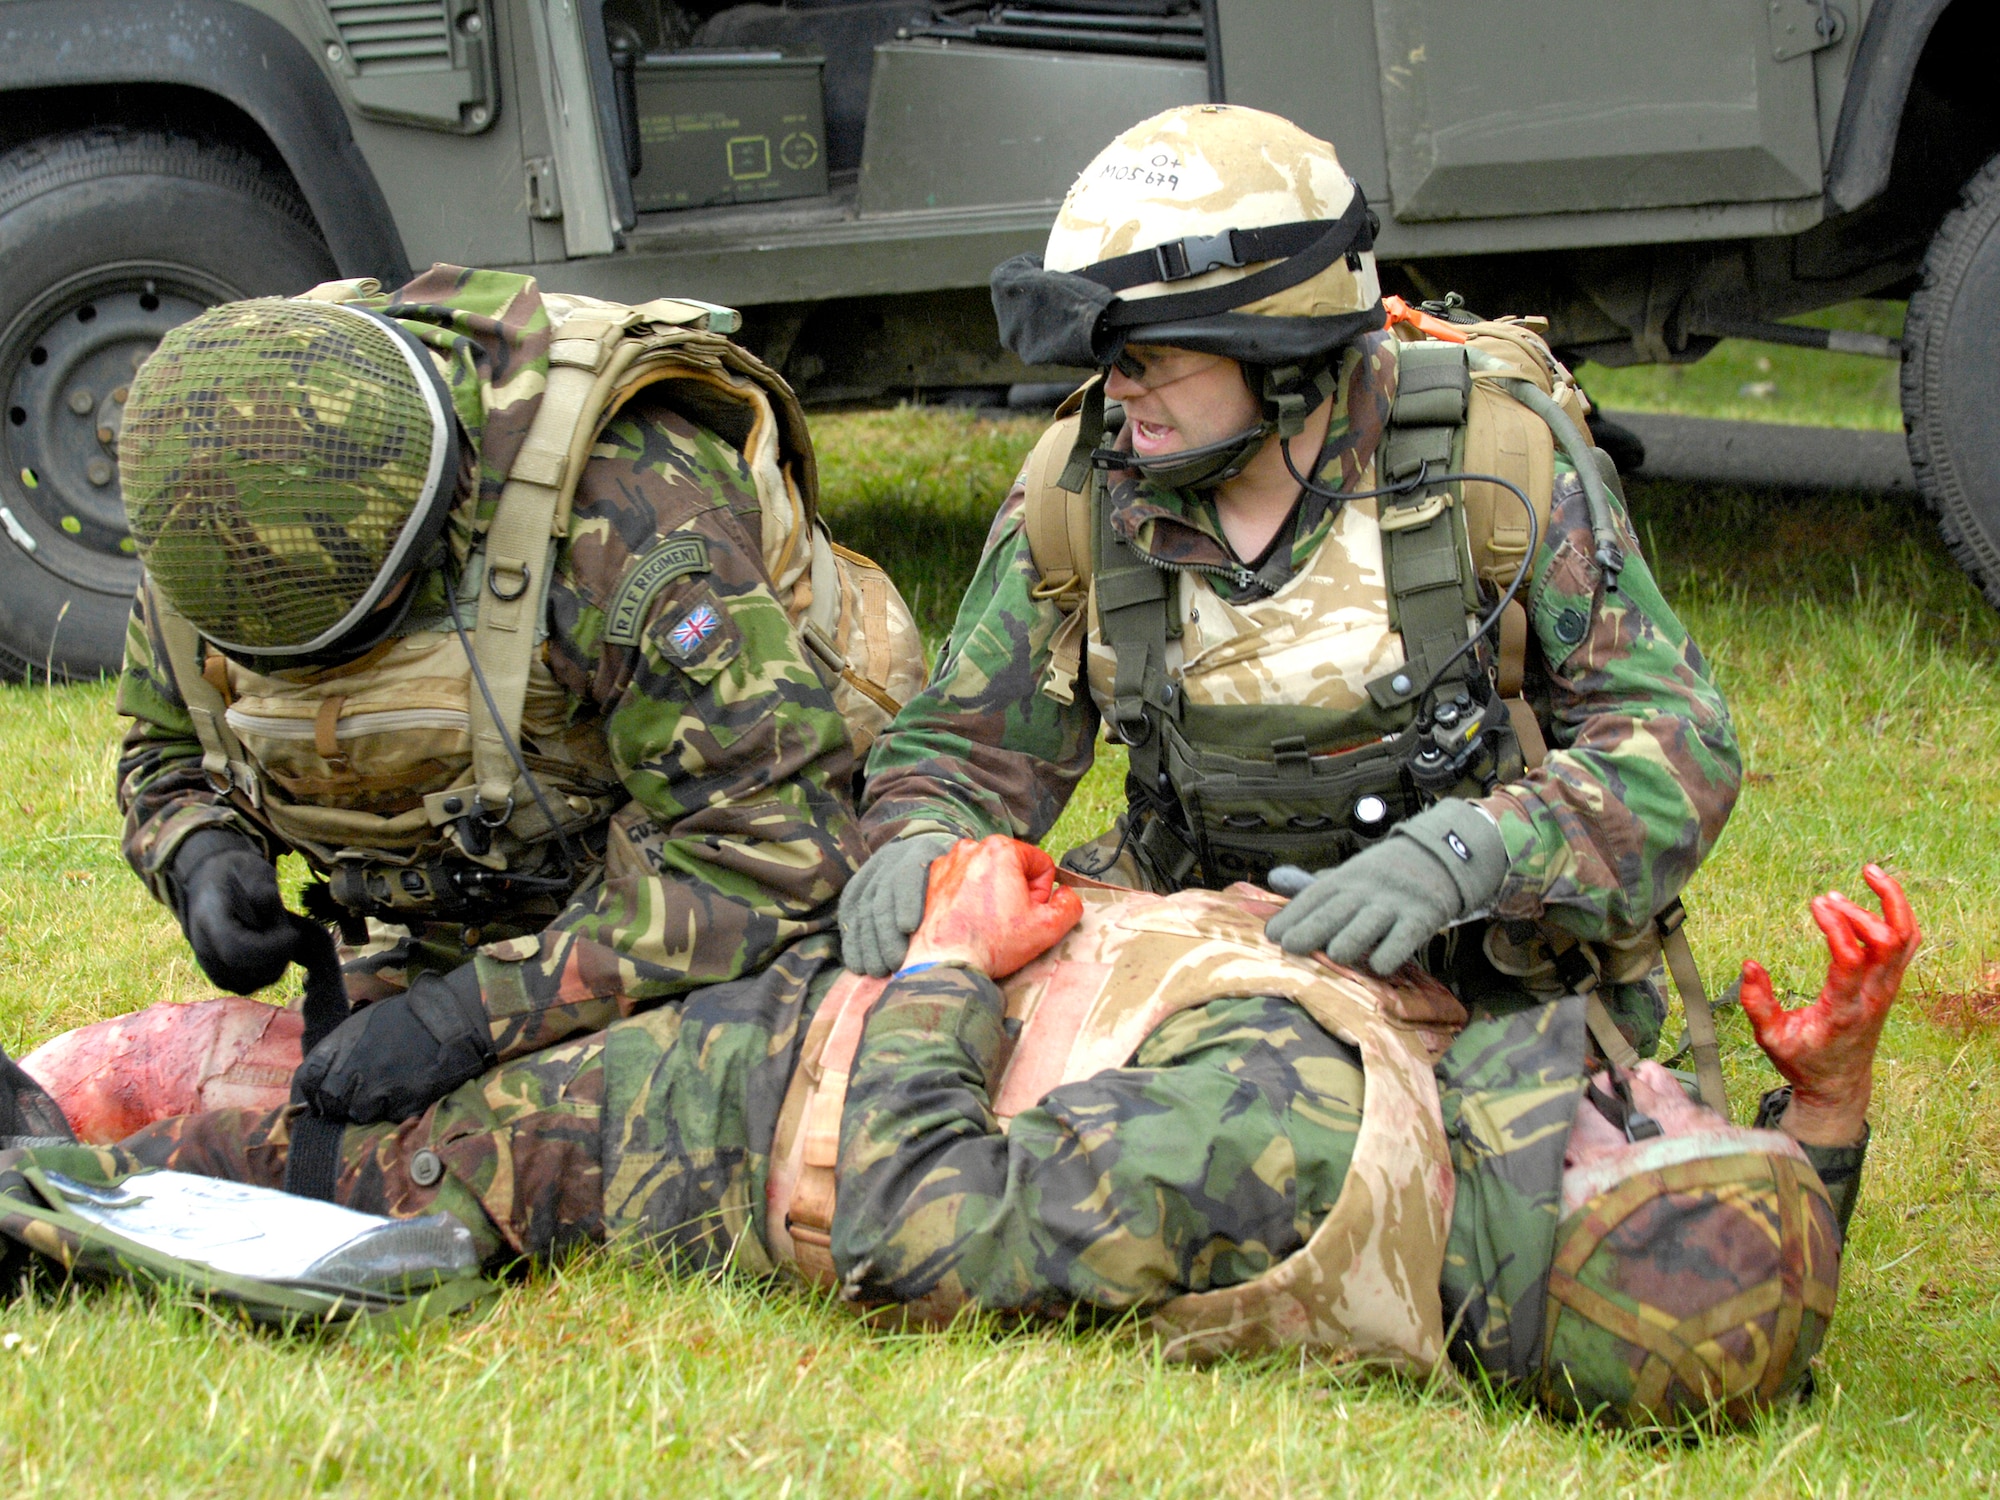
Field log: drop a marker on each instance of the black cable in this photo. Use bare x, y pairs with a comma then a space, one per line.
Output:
493, 710
1423, 477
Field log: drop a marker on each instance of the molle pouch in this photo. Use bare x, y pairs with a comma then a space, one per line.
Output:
276, 1259
1289, 805
375, 736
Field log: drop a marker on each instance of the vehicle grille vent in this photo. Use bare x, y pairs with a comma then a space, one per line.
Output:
394, 36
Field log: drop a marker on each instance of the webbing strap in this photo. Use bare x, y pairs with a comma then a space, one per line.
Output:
223, 759
312, 1161
1511, 663
1058, 526
1425, 558
1576, 965
1426, 596
1702, 1039
1131, 603
1610, 1040
520, 543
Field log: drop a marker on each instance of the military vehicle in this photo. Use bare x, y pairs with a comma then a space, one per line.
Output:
847, 172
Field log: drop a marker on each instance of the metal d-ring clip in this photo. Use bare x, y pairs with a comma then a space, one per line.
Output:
502, 818
493, 582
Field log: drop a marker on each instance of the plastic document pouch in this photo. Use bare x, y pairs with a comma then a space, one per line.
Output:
278, 1258
273, 1236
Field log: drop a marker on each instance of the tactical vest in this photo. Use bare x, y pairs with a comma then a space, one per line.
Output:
1282, 730
1364, 1286
391, 774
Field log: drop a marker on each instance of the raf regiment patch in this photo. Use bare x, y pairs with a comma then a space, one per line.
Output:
675, 556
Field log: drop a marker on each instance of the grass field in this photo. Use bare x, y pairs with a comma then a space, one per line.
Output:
1861, 668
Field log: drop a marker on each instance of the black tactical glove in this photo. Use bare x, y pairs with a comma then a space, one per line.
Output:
225, 893
394, 1059
1384, 904
884, 903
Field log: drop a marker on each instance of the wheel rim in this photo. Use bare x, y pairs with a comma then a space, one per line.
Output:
66, 366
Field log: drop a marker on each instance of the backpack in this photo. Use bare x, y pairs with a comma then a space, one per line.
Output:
602, 355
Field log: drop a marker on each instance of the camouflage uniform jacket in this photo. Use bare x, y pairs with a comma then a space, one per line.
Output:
1206, 1160
1644, 766
737, 836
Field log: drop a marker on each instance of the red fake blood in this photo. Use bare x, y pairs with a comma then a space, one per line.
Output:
114, 1077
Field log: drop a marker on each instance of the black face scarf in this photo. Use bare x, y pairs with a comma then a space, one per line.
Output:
1079, 319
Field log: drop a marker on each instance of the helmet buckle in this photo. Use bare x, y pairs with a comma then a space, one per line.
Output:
1196, 255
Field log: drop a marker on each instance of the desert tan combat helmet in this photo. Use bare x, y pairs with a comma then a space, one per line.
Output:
1697, 1285
1209, 227
286, 463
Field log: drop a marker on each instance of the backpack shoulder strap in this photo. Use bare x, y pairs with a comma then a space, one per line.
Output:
602, 354
519, 548
1424, 550
1057, 524
1055, 520
224, 761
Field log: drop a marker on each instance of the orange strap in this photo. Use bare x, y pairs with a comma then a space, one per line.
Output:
1400, 311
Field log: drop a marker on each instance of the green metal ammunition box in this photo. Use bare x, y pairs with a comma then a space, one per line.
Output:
728, 127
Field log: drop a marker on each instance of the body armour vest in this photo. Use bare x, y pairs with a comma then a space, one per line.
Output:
1364, 1286
1285, 728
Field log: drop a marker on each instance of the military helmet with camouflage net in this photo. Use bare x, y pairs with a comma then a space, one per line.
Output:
1697, 1286
286, 463
1210, 227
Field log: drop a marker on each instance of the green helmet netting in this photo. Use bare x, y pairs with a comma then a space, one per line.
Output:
1690, 1291
280, 461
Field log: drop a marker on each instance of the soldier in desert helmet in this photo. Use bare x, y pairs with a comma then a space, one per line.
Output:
1357, 600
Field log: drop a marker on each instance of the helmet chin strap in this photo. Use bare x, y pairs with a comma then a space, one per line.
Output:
1289, 395
1193, 468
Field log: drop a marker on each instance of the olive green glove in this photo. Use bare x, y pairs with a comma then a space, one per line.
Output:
884, 903
1384, 904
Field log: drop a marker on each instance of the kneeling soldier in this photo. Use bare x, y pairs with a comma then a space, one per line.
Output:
1358, 601
495, 606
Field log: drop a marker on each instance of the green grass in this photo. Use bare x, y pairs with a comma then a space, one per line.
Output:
1861, 670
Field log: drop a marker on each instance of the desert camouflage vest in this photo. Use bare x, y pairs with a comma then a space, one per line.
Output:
1281, 730
1364, 1286
390, 772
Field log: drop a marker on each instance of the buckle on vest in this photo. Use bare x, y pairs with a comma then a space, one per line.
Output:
1406, 517
1132, 732
225, 776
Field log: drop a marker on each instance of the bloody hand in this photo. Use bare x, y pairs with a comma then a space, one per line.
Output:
1826, 1051
992, 905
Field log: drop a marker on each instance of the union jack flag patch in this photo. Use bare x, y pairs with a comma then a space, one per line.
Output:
699, 625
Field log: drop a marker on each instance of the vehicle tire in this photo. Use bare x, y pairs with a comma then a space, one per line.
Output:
1951, 360
108, 238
